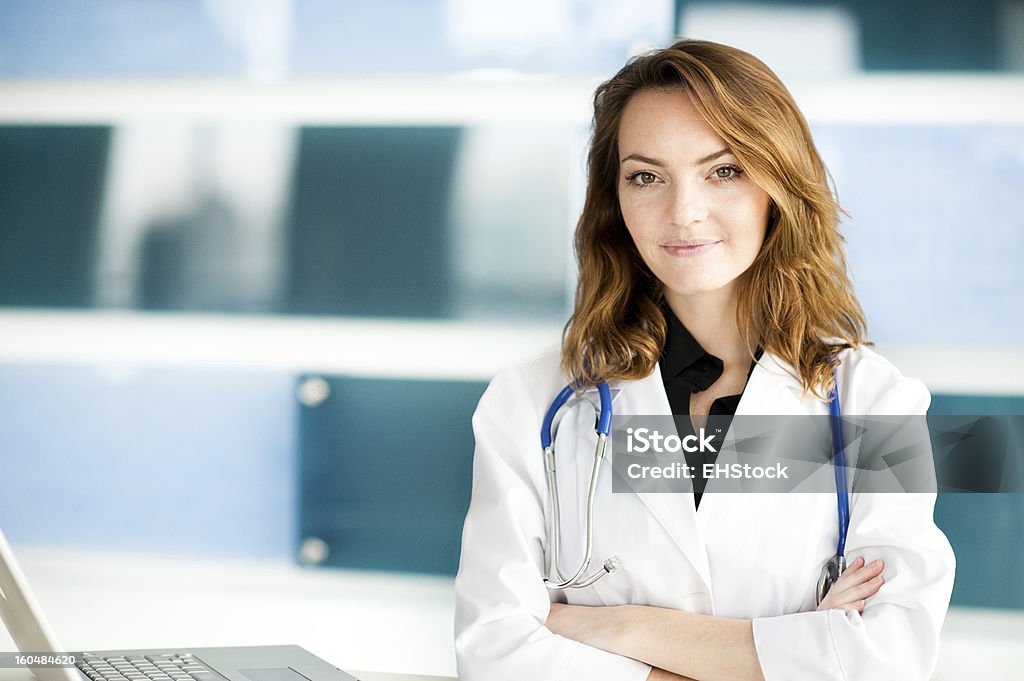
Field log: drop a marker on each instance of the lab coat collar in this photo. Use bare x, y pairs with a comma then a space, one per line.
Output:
771, 389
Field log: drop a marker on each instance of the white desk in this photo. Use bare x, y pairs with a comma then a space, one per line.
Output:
400, 624
356, 620
26, 675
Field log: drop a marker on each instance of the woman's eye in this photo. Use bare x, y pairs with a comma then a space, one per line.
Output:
643, 178
727, 173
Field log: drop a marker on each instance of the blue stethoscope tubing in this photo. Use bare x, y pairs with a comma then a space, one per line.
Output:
604, 420
837, 564
556, 579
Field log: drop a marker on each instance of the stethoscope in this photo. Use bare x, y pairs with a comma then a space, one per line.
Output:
555, 578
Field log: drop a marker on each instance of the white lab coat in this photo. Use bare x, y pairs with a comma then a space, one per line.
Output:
755, 556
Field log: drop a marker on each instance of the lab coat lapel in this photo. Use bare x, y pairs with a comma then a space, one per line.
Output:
772, 391
675, 512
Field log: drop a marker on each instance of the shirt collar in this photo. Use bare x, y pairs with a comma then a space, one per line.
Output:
683, 356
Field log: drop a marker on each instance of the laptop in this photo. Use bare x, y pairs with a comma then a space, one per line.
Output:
31, 632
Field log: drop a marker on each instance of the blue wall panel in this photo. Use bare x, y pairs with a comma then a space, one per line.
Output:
984, 529
387, 471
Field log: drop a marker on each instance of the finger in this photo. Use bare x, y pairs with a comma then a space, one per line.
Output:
856, 605
872, 568
855, 590
861, 574
849, 592
852, 577
853, 566
864, 590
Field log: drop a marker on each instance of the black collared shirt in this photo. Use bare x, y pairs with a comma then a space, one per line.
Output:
686, 368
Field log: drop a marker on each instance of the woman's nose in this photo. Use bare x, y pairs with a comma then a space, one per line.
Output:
688, 204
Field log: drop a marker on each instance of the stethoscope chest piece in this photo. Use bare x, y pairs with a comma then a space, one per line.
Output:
829, 574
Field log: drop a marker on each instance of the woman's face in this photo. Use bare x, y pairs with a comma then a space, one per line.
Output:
696, 218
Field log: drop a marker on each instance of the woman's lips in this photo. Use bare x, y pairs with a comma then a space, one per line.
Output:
690, 248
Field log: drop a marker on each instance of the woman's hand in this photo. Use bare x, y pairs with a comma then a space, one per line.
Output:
857, 584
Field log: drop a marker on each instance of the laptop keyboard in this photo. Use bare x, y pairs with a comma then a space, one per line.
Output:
176, 667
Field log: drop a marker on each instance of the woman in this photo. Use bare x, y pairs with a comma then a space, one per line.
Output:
712, 282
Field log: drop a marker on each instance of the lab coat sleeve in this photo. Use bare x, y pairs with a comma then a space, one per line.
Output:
897, 637
501, 602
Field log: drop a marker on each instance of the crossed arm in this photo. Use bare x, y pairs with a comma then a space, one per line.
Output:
685, 645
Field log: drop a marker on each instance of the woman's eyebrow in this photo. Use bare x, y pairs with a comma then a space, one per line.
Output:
643, 159
656, 162
712, 157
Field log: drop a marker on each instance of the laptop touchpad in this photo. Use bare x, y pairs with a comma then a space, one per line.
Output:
273, 674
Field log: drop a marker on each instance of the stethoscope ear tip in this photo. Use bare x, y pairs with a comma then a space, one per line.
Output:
612, 564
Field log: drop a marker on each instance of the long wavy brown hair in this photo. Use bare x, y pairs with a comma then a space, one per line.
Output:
796, 299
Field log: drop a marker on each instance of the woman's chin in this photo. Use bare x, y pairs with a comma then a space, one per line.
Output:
698, 287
